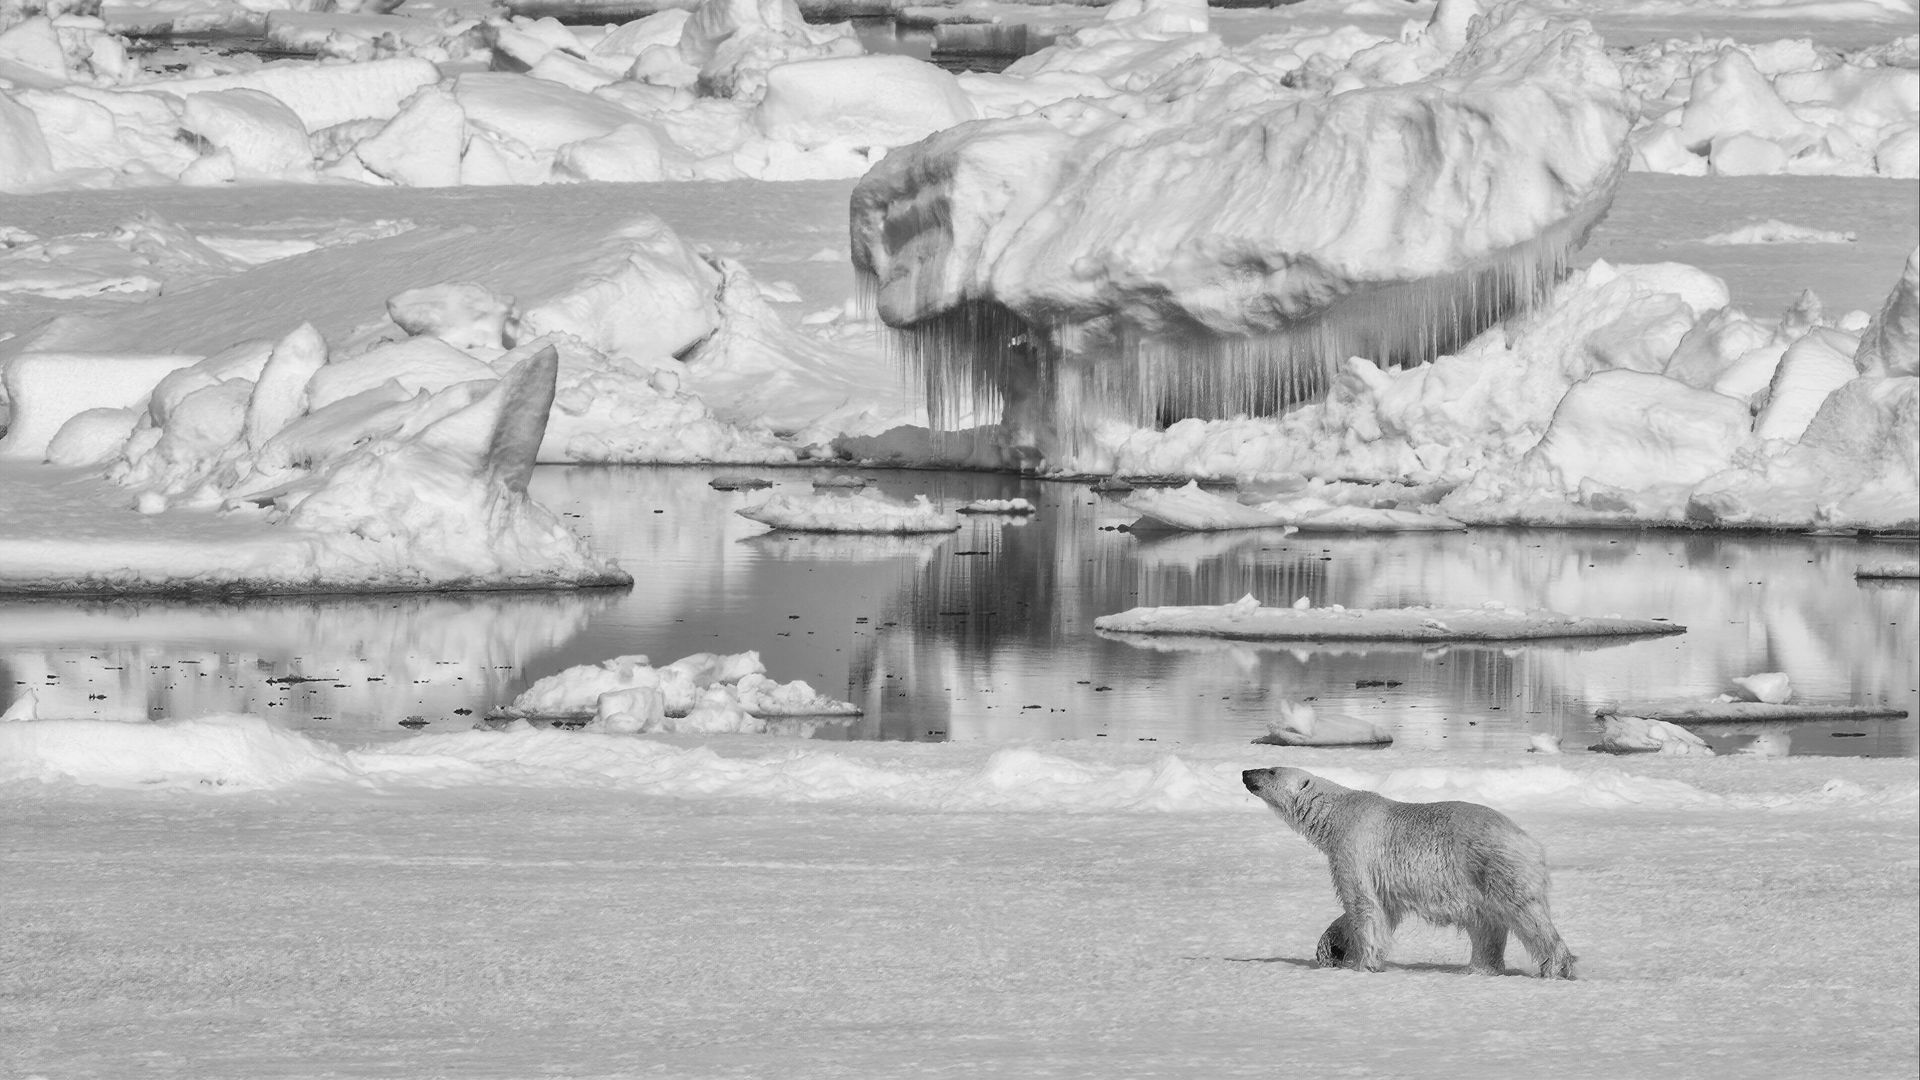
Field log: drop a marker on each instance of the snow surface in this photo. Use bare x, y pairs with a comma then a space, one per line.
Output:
219, 899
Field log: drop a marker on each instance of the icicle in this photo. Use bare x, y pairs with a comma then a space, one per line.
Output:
1065, 377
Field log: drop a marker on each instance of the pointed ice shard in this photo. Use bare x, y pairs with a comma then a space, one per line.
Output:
280, 393
501, 432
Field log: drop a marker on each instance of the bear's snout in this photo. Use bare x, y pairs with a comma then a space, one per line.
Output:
1255, 779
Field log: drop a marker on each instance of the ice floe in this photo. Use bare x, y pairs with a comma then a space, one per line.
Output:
1248, 618
859, 512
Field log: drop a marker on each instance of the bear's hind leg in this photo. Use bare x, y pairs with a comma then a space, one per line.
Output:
1336, 944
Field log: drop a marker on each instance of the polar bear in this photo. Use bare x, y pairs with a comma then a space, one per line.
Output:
1451, 863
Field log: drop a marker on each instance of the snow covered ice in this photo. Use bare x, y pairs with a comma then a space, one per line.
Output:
1347, 289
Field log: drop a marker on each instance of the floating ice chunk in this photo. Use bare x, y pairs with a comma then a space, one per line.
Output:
1543, 743
1771, 687
1193, 508
25, 707
1301, 724
1908, 569
630, 711
1014, 507
630, 686
1627, 734
1775, 231
860, 512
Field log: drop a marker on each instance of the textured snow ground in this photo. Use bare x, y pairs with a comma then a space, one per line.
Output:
505, 904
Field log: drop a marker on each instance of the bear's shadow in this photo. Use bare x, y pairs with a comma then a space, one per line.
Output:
1311, 964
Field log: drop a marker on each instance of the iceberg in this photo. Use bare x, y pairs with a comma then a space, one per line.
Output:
1041, 263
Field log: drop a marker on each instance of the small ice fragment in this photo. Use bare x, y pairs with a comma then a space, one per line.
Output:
24, 707
1543, 743
1302, 604
1772, 687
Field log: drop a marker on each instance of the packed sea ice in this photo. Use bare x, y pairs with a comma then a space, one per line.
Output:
1538, 419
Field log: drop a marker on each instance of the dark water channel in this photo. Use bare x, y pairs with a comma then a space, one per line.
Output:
986, 634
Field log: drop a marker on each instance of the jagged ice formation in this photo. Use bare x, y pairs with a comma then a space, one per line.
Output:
1212, 245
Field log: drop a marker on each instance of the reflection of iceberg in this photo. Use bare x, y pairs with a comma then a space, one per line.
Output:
1041, 261
375, 659
845, 547
1190, 550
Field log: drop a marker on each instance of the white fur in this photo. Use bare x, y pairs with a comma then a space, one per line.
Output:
1451, 863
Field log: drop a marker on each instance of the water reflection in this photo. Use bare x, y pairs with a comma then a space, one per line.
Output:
335, 666
987, 633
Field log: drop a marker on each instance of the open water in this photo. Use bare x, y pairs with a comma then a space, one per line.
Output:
987, 633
